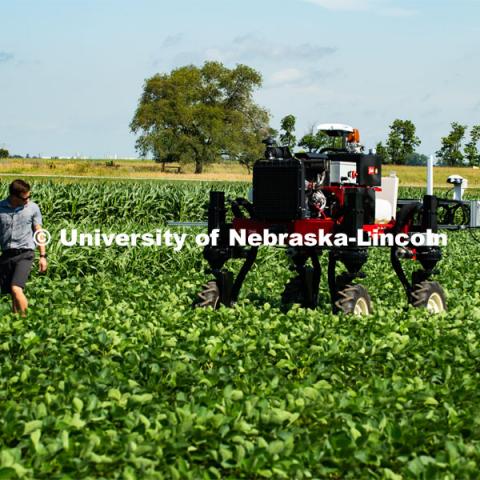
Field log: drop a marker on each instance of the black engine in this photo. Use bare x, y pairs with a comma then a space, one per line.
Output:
313, 185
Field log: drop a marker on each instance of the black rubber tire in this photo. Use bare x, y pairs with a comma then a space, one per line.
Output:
353, 299
209, 296
429, 295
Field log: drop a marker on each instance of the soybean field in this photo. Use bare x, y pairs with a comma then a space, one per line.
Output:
113, 374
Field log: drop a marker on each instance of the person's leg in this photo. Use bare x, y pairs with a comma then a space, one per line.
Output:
6, 273
23, 266
20, 302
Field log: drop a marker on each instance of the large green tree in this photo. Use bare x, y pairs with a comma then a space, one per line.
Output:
451, 153
4, 153
201, 114
472, 156
402, 141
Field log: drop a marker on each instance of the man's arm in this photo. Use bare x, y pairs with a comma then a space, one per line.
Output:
42, 263
37, 225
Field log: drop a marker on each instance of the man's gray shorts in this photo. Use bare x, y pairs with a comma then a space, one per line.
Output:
15, 268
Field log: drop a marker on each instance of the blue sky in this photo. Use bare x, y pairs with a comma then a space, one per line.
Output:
71, 71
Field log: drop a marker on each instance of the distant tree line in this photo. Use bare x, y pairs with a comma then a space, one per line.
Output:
401, 143
459, 150
4, 153
399, 148
455, 150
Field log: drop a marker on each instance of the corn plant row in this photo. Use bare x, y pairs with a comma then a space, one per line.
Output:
145, 203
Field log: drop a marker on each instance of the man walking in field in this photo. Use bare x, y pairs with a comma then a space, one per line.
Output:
19, 219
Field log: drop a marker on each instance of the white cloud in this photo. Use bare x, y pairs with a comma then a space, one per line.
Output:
380, 7
251, 45
287, 76
351, 5
396, 12
302, 78
255, 48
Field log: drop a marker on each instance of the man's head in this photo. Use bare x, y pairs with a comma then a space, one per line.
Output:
19, 193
